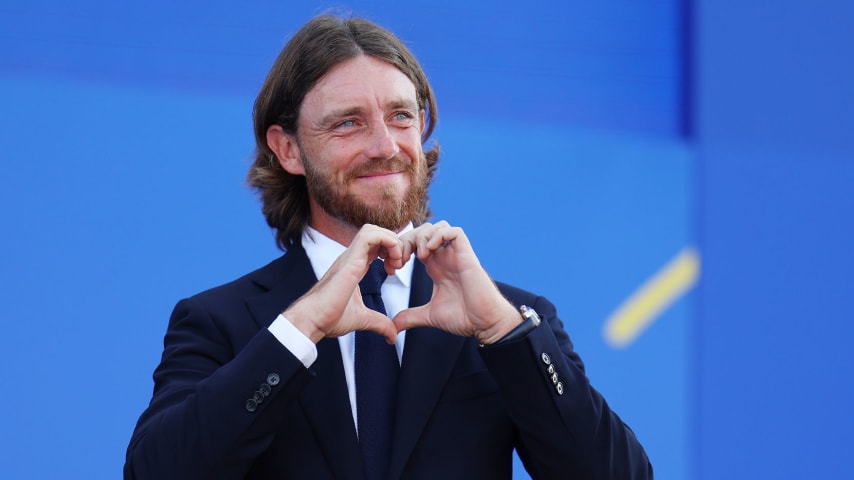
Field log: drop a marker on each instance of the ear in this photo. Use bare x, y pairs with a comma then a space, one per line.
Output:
423, 115
286, 149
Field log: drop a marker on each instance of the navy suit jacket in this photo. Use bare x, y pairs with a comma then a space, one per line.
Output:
461, 408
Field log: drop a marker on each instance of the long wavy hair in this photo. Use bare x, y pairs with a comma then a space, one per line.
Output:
322, 43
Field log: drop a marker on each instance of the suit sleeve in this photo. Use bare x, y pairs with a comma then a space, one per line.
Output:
214, 409
566, 428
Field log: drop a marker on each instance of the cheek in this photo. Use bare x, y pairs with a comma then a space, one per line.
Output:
332, 159
410, 142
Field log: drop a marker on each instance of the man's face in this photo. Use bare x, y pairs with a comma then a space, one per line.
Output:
360, 146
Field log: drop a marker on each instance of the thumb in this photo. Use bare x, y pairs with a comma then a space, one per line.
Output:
379, 323
412, 318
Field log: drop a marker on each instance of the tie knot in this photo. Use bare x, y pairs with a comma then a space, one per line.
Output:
373, 280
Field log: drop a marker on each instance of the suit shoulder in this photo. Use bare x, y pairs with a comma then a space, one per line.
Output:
516, 294
519, 297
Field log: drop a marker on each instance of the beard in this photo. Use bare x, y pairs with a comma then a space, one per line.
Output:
392, 211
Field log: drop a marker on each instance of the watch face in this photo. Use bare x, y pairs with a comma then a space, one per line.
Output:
529, 313
535, 317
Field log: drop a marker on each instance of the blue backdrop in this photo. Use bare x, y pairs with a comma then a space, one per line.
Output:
637, 140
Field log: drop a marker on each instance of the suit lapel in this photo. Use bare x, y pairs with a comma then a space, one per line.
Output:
283, 281
326, 403
325, 399
428, 358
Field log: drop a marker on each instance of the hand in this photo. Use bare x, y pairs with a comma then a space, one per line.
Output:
465, 300
334, 307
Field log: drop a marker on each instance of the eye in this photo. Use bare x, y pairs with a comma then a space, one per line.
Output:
346, 124
403, 117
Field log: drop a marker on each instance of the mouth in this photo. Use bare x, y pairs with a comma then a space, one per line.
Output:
379, 175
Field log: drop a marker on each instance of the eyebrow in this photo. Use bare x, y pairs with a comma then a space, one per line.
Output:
335, 115
402, 103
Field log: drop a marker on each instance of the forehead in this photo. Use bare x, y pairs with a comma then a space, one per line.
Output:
360, 82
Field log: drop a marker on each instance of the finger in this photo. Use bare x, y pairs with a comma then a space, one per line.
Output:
379, 323
446, 234
377, 240
422, 240
428, 241
407, 242
391, 249
372, 242
394, 258
414, 238
412, 318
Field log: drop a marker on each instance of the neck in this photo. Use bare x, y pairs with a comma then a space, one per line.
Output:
340, 231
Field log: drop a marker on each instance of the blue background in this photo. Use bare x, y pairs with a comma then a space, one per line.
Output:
584, 145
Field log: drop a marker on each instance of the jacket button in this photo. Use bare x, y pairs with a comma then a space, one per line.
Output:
273, 379
265, 389
258, 397
559, 388
546, 358
554, 379
251, 405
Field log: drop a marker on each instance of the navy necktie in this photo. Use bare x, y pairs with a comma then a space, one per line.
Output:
377, 369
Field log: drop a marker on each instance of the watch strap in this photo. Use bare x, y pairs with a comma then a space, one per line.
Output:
530, 321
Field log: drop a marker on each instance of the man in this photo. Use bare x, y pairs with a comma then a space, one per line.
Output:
281, 375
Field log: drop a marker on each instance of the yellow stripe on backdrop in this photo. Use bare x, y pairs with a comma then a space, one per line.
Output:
652, 298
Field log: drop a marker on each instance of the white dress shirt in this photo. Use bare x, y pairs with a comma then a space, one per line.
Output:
322, 252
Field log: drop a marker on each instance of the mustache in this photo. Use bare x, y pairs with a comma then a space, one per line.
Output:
393, 164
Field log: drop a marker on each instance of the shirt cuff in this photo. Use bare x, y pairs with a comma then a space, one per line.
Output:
298, 344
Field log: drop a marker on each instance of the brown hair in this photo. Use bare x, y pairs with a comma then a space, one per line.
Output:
321, 44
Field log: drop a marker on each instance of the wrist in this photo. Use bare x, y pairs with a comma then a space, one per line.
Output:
529, 321
302, 322
509, 319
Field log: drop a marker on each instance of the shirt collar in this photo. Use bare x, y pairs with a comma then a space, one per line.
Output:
322, 252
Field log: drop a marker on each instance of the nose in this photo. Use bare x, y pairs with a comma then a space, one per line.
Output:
382, 143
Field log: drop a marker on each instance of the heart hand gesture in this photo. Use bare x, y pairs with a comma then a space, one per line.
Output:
465, 300
334, 307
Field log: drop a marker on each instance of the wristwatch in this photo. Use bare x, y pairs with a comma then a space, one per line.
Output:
530, 321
